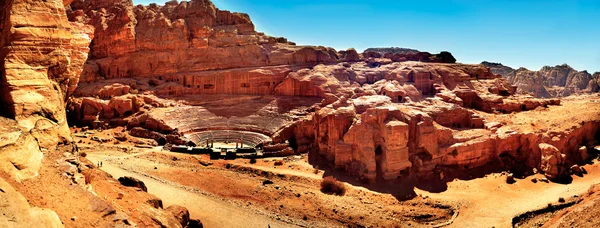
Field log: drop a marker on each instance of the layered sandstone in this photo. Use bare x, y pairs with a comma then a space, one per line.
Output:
42, 57
557, 81
177, 41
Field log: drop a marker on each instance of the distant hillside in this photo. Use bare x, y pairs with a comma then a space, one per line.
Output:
557, 81
498, 68
392, 50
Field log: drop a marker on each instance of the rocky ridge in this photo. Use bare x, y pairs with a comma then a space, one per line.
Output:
557, 81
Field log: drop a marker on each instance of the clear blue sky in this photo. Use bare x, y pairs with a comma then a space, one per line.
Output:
529, 33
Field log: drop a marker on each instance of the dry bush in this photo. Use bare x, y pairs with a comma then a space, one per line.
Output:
329, 185
83, 154
278, 163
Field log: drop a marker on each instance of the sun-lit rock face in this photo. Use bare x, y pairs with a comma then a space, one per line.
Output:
20, 213
42, 57
179, 40
557, 81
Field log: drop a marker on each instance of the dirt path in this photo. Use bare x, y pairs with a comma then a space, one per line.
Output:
212, 212
489, 201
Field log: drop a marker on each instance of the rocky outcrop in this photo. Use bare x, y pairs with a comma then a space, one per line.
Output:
16, 211
133, 182
498, 68
403, 55
177, 39
42, 57
392, 50
557, 81
20, 154
552, 161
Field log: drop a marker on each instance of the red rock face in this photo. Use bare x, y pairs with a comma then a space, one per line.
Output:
191, 43
42, 57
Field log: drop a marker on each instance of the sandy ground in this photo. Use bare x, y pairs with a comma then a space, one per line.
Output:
486, 201
235, 189
489, 201
213, 212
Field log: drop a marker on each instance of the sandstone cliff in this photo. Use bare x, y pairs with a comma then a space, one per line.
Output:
42, 57
180, 39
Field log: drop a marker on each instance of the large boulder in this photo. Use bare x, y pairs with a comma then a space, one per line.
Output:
552, 161
181, 214
133, 182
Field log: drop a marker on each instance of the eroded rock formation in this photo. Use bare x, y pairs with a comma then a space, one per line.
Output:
557, 81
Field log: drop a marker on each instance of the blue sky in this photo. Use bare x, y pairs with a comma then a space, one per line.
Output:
529, 33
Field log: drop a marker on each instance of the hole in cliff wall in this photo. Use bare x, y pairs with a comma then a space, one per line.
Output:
293, 143
504, 93
523, 107
378, 151
379, 160
400, 99
6, 110
162, 141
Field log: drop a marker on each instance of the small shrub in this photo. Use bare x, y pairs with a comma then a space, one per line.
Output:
252, 160
329, 185
278, 163
83, 154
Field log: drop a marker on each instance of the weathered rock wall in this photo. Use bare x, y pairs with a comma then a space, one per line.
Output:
190, 42
390, 141
42, 56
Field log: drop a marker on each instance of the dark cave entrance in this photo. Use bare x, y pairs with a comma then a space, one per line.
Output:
162, 141
378, 161
293, 144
